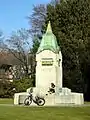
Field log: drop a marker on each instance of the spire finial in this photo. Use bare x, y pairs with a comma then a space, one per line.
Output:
49, 29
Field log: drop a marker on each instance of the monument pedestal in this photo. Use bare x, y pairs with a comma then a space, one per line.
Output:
61, 96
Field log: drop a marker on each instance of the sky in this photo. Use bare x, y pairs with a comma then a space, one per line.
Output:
13, 14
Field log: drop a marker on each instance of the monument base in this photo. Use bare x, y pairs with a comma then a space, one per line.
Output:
62, 96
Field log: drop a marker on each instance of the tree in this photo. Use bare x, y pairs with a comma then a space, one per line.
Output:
37, 19
6, 89
70, 22
22, 85
1, 39
19, 44
2, 47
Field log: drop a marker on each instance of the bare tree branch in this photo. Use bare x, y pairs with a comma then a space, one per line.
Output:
19, 44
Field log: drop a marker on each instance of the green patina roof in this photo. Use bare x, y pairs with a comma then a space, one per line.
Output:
48, 41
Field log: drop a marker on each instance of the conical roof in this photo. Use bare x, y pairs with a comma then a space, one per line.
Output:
48, 41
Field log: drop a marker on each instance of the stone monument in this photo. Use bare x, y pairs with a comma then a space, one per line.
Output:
49, 71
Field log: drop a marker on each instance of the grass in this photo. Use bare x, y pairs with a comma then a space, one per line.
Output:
6, 101
42, 113
86, 102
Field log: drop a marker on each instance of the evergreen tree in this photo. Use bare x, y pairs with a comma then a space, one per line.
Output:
70, 20
70, 23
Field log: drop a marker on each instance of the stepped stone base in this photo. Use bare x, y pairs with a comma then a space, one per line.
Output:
61, 96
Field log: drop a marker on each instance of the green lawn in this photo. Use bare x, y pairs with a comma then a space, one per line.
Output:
42, 113
6, 101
